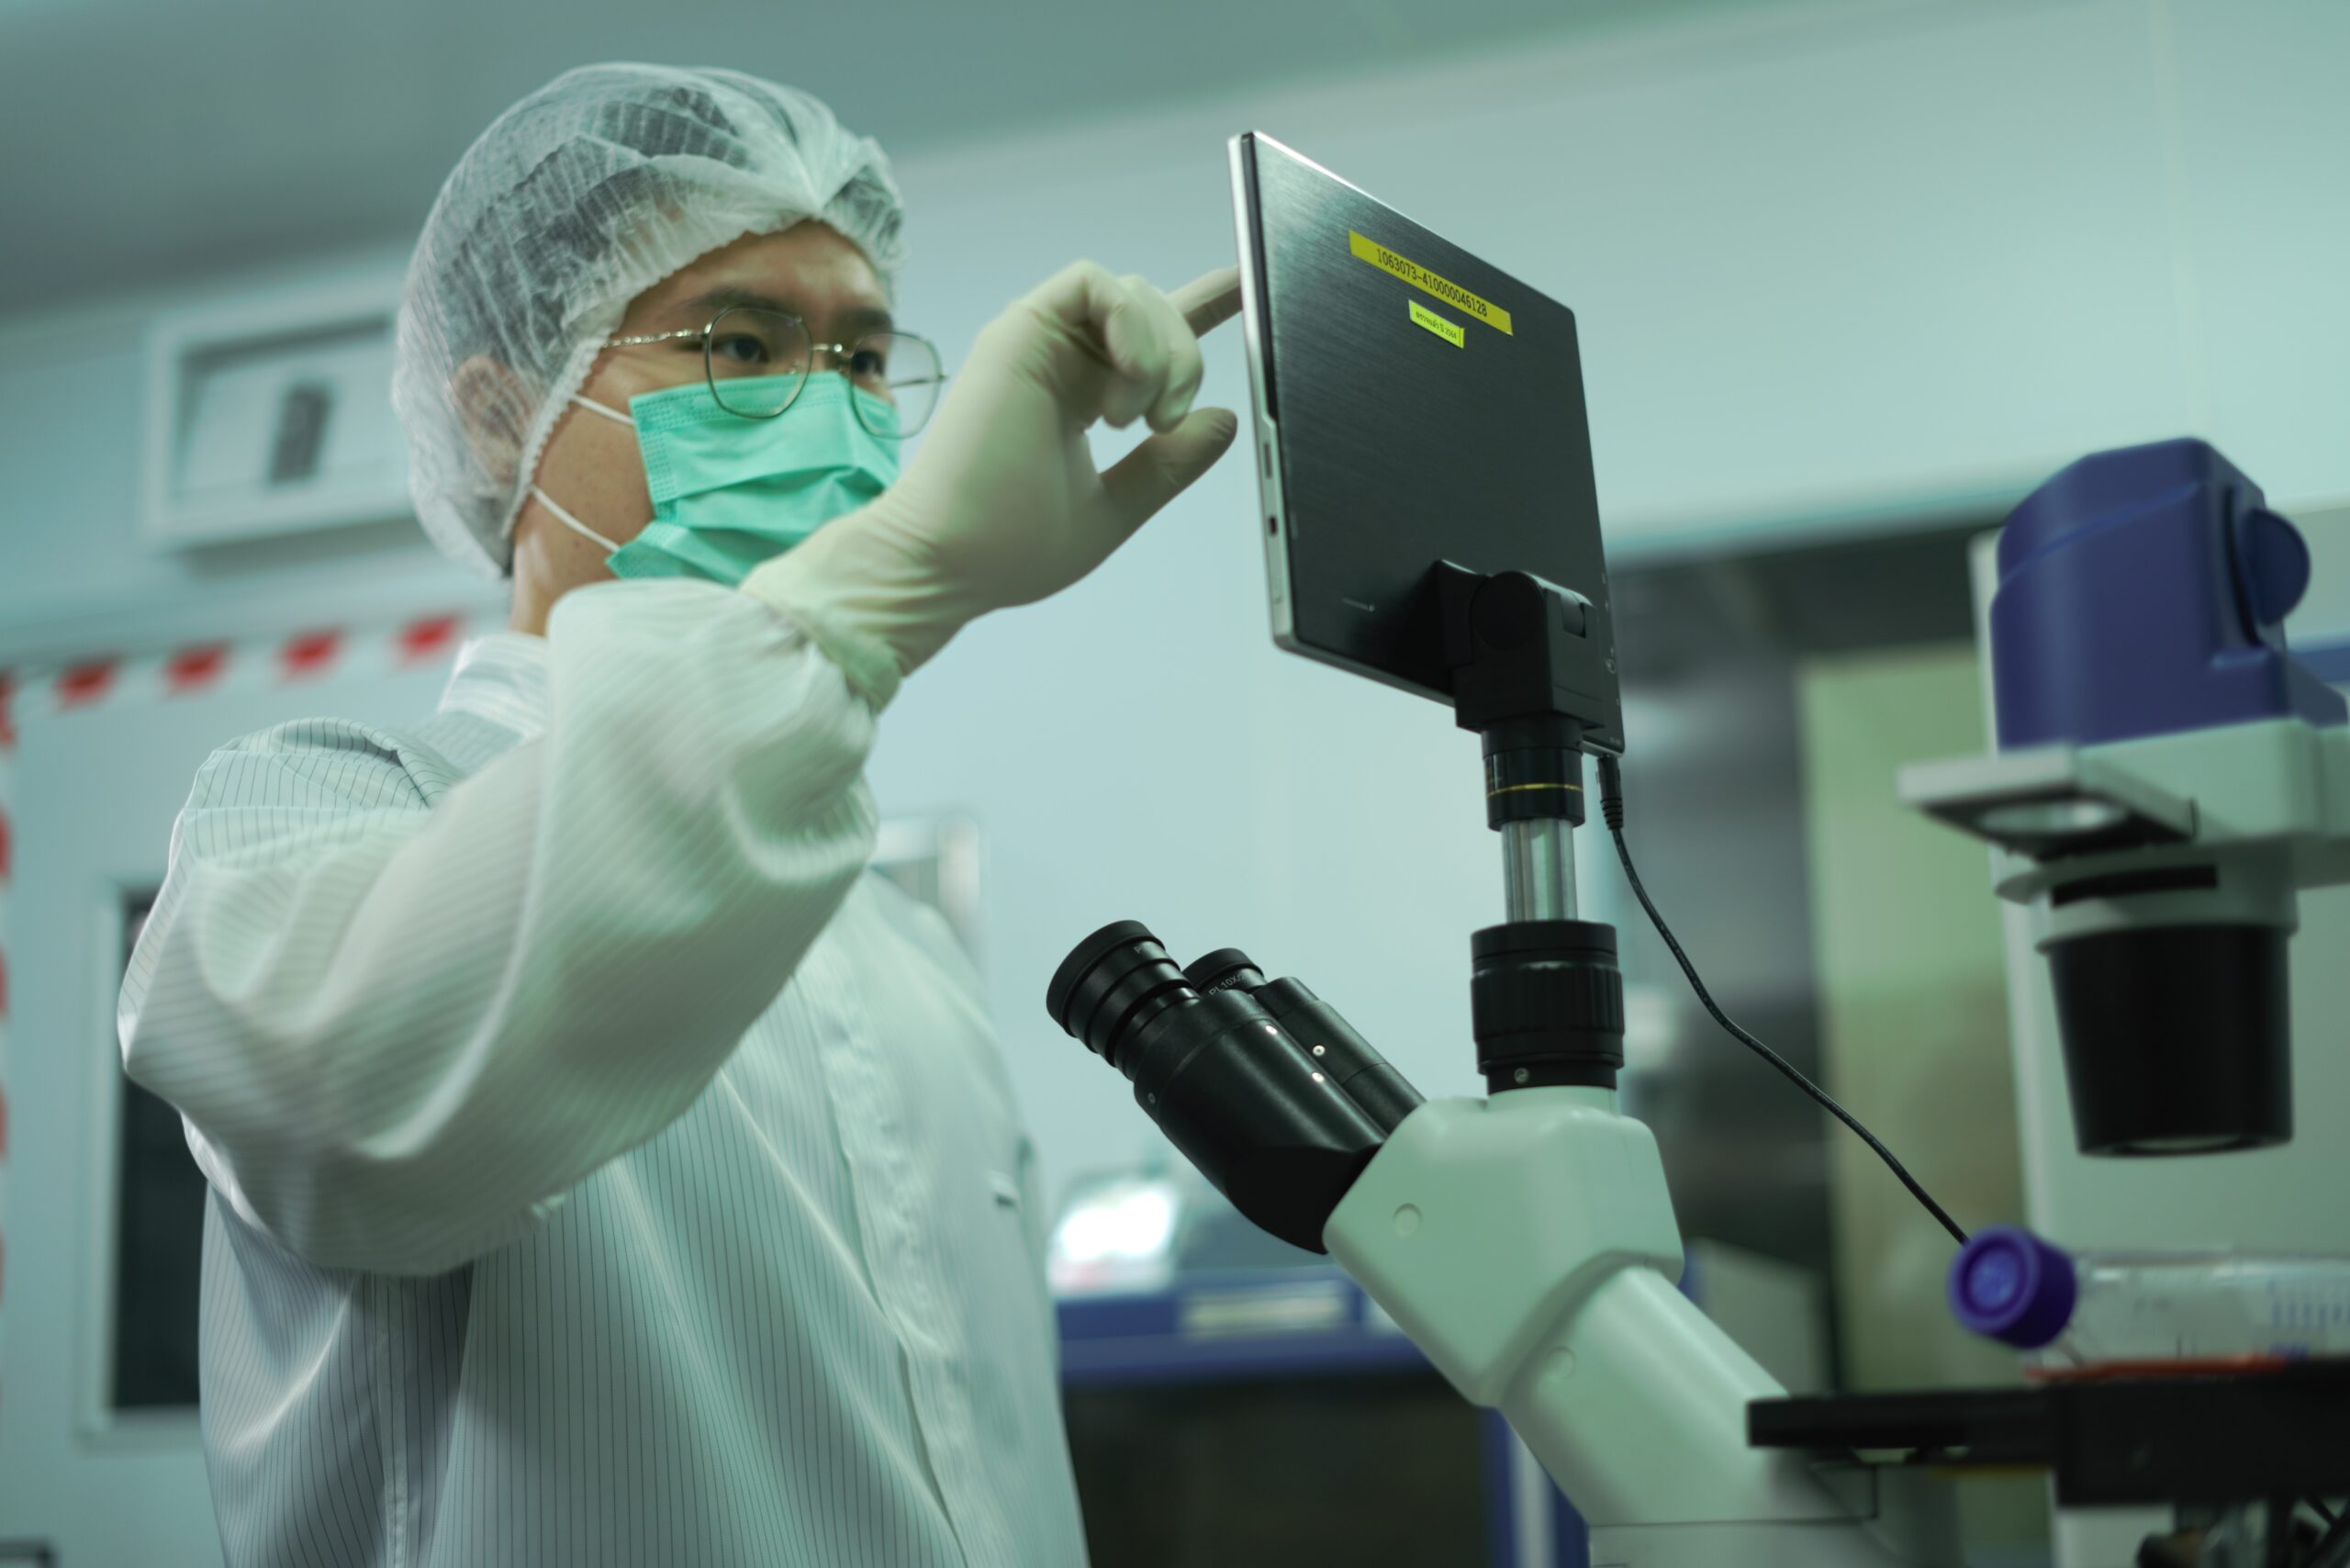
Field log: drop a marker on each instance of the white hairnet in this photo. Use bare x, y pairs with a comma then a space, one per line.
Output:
573, 202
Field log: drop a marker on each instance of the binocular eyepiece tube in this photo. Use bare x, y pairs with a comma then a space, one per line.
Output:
1260, 1084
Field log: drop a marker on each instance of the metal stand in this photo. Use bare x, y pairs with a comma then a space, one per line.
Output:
1549, 1001
1539, 869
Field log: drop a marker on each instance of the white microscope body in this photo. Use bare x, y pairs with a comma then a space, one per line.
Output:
1526, 1244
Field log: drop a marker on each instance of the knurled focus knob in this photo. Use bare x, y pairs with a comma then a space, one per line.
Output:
1548, 1005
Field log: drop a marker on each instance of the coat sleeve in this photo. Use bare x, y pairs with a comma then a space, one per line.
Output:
399, 1032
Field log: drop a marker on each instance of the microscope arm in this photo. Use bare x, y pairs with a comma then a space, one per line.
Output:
1526, 1243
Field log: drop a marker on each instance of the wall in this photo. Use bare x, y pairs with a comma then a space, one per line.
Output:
1914, 992
78, 577
1713, 814
94, 791
1833, 262
1913, 997
1836, 261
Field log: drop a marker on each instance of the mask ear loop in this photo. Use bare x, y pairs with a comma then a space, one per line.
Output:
613, 414
572, 522
555, 506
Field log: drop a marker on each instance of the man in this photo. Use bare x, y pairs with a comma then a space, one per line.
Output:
603, 1168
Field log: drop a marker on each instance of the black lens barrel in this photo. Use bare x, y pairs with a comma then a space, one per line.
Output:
2177, 1039
1101, 1004
1548, 1005
1534, 772
1369, 1080
1385, 1094
1228, 1085
1223, 969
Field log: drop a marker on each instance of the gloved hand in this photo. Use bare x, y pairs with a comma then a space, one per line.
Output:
1002, 504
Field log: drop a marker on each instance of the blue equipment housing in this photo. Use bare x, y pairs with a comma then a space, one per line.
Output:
2144, 592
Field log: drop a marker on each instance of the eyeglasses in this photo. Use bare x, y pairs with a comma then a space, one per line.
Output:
756, 360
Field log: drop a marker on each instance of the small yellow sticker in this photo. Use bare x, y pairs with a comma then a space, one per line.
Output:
1420, 277
1448, 331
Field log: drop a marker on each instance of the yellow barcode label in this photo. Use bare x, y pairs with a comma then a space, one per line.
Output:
1428, 282
1450, 332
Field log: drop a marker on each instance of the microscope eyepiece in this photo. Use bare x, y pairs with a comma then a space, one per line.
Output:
1223, 969
1113, 983
1280, 1122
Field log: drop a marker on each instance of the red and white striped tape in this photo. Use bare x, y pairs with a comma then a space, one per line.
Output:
199, 669
205, 668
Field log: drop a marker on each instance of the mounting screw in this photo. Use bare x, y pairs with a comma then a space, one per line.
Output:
1318, 1050
1520, 1076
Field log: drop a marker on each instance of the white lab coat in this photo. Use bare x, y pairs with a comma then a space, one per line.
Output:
605, 1167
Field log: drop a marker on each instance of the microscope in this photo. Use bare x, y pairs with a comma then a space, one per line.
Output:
2166, 779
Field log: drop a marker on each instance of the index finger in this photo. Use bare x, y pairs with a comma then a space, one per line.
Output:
1209, 300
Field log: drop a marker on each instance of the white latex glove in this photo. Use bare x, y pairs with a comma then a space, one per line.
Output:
1002, 504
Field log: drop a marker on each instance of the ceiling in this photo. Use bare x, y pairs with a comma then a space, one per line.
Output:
153, 141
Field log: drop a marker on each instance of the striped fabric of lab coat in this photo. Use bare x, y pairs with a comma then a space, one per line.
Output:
605, 1167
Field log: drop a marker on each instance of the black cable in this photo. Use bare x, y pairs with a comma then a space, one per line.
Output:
1611, 806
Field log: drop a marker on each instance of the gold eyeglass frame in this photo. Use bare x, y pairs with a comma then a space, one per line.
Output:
839, 352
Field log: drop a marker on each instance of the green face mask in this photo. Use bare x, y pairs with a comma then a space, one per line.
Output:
727, 492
